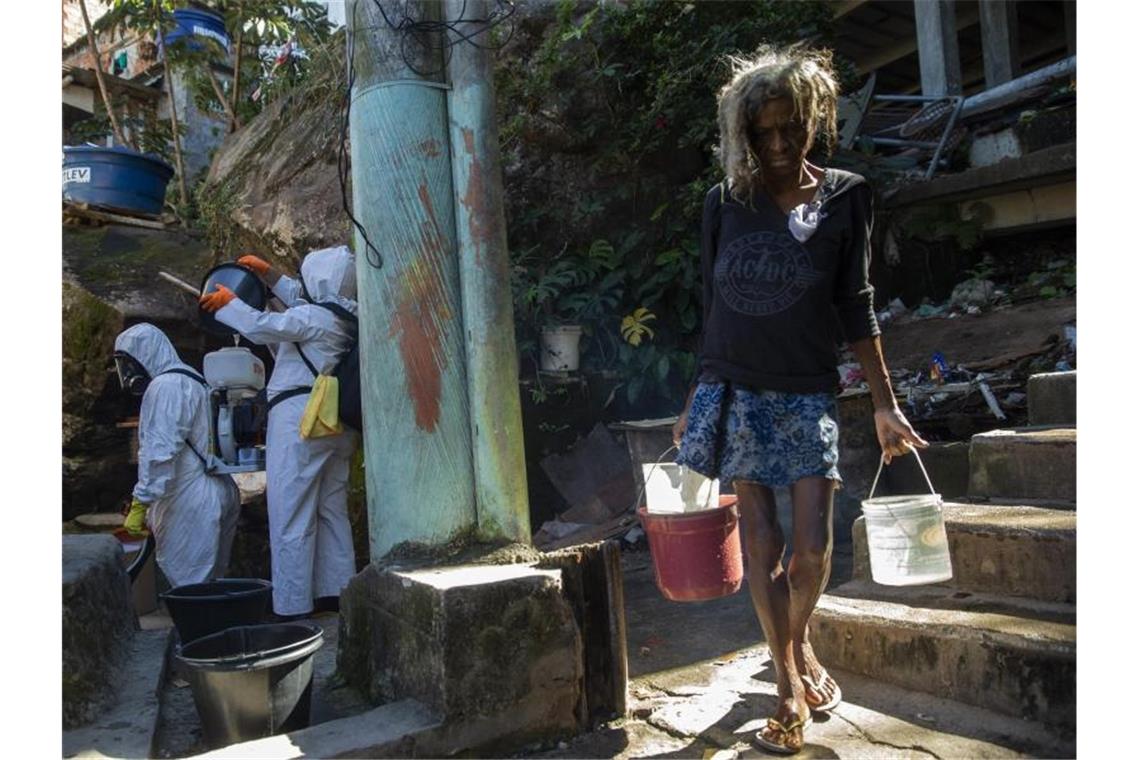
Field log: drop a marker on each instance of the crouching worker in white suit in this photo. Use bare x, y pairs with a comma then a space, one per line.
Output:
192, 514
310, 539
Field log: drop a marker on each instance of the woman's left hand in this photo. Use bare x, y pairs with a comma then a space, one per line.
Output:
896, 436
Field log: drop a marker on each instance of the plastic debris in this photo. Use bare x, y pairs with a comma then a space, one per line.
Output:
991, 399
973, 292
851, 375
895, 309
938, 368
926, 311
1071, 336
634, 535
1063, 366
1015, 398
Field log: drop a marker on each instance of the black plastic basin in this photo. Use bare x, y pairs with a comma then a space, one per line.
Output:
245, 284
200, 609
252, 681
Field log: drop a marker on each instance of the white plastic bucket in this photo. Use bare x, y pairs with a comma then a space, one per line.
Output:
560, 348
672, 488
906, 537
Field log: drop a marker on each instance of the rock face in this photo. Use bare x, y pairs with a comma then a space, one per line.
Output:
273, 185
98, 623
110, 281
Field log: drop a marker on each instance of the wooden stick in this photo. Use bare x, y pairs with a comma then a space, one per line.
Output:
180, 283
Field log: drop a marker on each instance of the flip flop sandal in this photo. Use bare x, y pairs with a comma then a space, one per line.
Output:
783, 733
828, 706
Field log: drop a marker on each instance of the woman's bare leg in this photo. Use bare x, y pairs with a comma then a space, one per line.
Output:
768, 584
808, 572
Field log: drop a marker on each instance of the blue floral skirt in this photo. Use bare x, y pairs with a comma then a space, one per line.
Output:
765, 437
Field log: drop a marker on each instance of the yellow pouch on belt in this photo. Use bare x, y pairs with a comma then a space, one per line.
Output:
321, 415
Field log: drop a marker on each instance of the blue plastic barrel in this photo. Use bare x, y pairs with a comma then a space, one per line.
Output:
195, 22
115, 178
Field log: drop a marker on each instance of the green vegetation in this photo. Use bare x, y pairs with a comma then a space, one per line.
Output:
620, 102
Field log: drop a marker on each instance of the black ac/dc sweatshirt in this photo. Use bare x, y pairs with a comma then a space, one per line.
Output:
771, 303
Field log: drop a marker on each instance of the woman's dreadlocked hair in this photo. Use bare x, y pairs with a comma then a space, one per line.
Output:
804, 75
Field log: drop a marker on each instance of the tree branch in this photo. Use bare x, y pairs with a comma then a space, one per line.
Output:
99, 75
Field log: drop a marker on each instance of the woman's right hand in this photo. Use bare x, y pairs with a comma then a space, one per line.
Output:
680, 425
683, 418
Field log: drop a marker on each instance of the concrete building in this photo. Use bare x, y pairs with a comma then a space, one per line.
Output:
133, 72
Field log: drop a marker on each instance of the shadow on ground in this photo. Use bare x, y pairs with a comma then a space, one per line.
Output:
662, 635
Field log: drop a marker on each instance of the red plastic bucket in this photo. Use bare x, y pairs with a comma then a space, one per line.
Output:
696, 555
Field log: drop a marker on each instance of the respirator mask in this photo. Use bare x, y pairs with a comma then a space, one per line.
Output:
133, 377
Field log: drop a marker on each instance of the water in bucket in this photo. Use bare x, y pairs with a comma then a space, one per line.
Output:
906, 537
674, 488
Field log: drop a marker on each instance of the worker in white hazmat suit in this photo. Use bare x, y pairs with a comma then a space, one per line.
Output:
310, 538
192, 514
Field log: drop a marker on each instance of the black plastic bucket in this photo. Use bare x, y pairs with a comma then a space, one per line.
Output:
245, 284
252, 681
200, 609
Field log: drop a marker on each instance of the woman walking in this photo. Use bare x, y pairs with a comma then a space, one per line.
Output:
785, 253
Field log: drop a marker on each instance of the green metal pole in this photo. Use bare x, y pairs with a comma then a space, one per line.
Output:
417, 439
485, 281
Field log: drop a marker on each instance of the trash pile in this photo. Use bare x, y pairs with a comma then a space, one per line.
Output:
955, 397
972, 296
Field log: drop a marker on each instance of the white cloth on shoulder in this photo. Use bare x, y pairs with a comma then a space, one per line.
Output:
804, 219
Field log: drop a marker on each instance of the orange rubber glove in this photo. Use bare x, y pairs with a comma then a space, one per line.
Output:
221, 296
256, 263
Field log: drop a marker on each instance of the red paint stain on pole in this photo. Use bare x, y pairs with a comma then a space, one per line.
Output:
479, 226
416, 323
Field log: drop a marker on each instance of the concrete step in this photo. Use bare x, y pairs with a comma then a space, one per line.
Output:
1020, 550
1017, 657
1053, 398
947, 464
391, 730
128, 726
1024, 463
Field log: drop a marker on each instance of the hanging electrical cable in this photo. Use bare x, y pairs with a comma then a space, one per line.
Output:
449, 32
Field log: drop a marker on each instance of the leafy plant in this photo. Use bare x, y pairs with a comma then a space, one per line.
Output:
634, 327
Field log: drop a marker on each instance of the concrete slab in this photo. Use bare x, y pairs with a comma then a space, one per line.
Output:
127, 728
713, 709
1016, 658
469, 642
98, 622
385, 731
1018, 550
1030, 463
1053, 398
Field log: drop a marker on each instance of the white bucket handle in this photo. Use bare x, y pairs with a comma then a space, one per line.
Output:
645, 476
882, 461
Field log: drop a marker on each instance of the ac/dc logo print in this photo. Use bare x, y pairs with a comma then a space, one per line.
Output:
764, 273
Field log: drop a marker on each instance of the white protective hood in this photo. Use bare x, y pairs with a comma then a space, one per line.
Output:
150, 347
329, 275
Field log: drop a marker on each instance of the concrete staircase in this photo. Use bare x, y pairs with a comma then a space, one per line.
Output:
1002, 634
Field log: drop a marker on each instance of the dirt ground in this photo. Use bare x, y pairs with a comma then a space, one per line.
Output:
980, 337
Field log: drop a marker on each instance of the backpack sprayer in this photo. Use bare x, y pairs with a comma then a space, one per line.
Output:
236, 379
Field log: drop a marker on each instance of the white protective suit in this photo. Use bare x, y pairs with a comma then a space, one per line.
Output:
310, 539
193, 515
